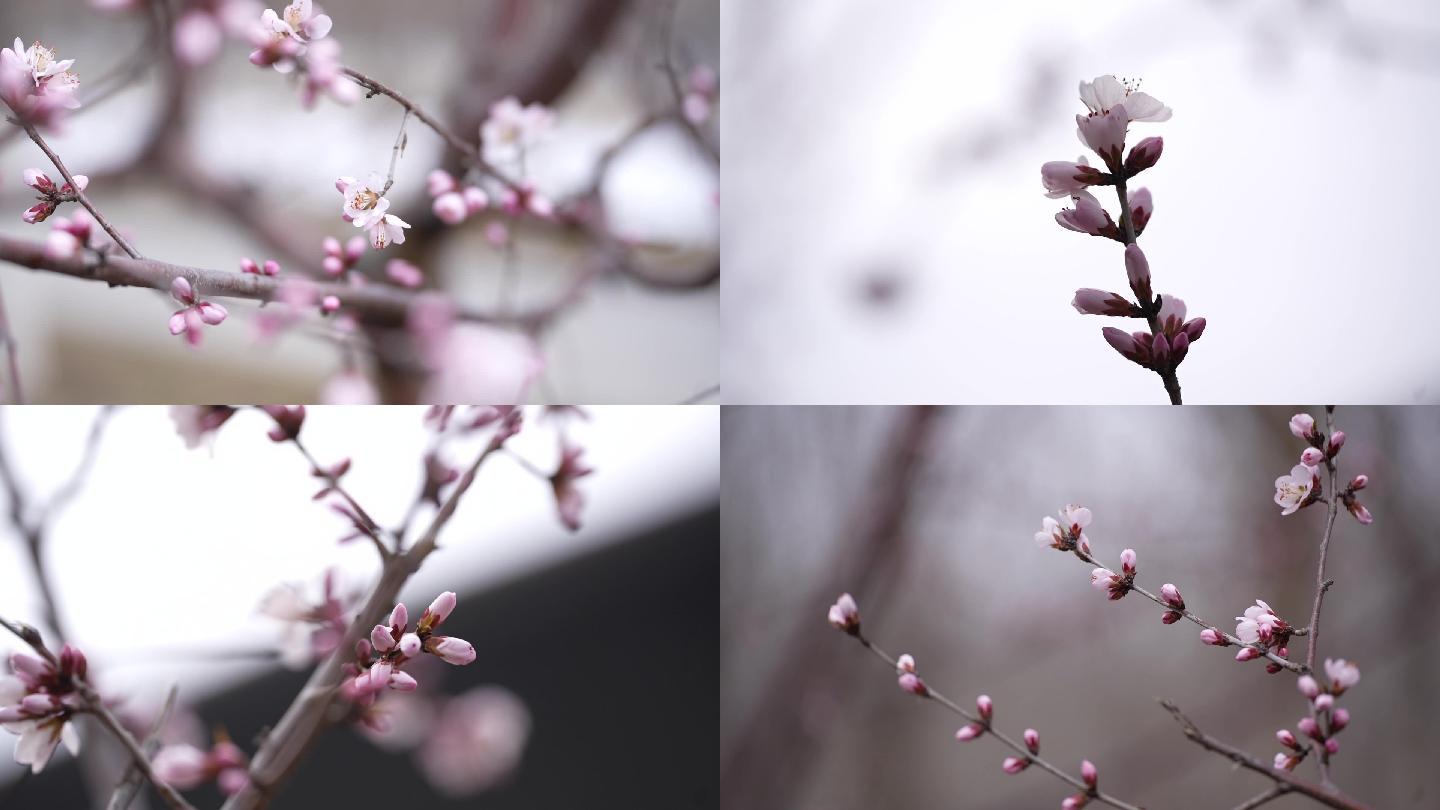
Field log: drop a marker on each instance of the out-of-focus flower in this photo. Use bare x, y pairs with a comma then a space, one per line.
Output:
196, 313
185, 767
472, 362
404, 273
511, 129
569, 500
699, 100
340, 258
844, 615
38, 702
325, 76
313, 627
1300, 488
269, 268
1343, 674
196, 423
349, 387
477, 741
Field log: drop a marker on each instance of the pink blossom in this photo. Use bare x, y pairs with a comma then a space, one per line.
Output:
404, 273
1297, 489
440, 182
195, 314
325, 76
476, 742
450, 208
1302, 425
905, 663
36, 85
338, 259
386, 230
1066, 533
1127, 561
269, 268
1142, 206
1062, 178
1247, 654
314, 625
1171, 317
1332, 445
1286, 762
1343, 674
1089, 301
845, 614
1171, 596
1287, 739
1106, 93
1089, 773
1311, 457
451, 650
511, 129
197, 37
364, 203
910, 682
1307, 686
476, 200
196, 423
1143, 155
38, 702
569, 499
439, 610
1015, 764
1104, 134
985, 706
1309, 728
1324, 702
1087, 216
1214, 637
183, 766
1339, 719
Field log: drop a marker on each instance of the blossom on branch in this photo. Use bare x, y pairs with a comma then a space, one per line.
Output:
37, 86
196, 313
38, 702
511, 129
1298, 489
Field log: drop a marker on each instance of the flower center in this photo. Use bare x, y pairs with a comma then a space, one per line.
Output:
365, 200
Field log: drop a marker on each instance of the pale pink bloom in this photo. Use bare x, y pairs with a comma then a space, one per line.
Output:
1104, 133
1106, 93
1296, 489
905, 663
1307, 686
314, 625
61, 245
440, 182
36, 85
41, 61
450, 208
478, 363
477, 741
1259, 625
910, 682
300, 21
363, 203
196, 313
1067, 532
1171, 318
1062, 178
325, 76
569, 499
196, 423
386, 230
1302, 425
1311, 457
1343, 674
197, 37
1087, 216
845, 614
39, 738
1015, 764
1089, 301
511, 129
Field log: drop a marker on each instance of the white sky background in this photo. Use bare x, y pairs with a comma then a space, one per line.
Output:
1292, 202
169, 548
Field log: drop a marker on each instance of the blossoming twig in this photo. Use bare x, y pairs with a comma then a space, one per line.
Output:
1321, 584
1245, 760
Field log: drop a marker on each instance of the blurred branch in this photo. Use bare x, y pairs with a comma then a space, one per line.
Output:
1249, 762
129, 786
14, 393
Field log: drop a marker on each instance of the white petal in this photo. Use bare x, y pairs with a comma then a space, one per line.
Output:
1145, 107
1108, 91
71, 738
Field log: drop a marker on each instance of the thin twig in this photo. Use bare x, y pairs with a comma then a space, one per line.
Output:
1018, 748
1249, 762
1264, 798
14, 393
400, 141
129, 786
1321, 584
367, 523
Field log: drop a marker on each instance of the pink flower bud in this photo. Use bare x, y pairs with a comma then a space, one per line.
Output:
985, 706
181, 290
1127, 561
1194, 328
444, 604
845, 615
39, 181
1074, 802
1062, 178
1089, 773
1307, 686
1302, 425
1337, 441
1309, 728
211, 313
1359, 511
476, 200
1032, 740
1160, 350
329, 304
342, 183
1311, 457
1137, 268
1284, 762
1287, 739
1339, 719
39, 704
1171, 596
271, 268
248, 265
1143, 155
450, 208
1142, 206
1359, 482
331, 245
1123, 343
439, 182
1088, 216
969, 732
1332, 746
1170, 617
910, 682
456, 651
403, 682
382, 639
399, 617
905, 663
1015, 764
410, 645
1212, 636
1324, 702
333, 265
404, 273
1247, 654
1089, 301
39, 212
355, 248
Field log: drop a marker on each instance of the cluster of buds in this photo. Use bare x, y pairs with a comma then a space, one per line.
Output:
1111, 106
454, 203
269, 268
909, 680
1170, 595
1302, 486
295, 39
37, 86
985, 709
1326, 719
38, 702
1018, 764
1261, 630
49, 195
1067, 533
186, 767
1117, 585
340, 258
196, 313
380, 658
69, 235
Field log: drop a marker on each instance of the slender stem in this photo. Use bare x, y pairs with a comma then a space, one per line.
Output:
1293, 666
129, 786
1127, 232
69, 178
368, 524
399, 147
1018, 748
1321, 584
1249, 762
15, 394
1264, 798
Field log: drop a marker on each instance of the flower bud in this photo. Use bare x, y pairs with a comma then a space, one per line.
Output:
985, 706
910, 682
1247, 654
1287, 739
248, 265
1137, 268
441, 608
452, 650
1359, 482
1337, 441
1089, 301
1127, 561
1307, 686
1309, 728
1302, 425
1032, 740
845, 615
905, 663
1359, 511
1323, 702
1141, 207
1160, 350
1311, 457
382, 639
1015, 764
1170, 617
1143, 155
1339, 719
403, 682
476, 200
969, 732
409, 645
439, 182
39, 181
1332, 746
1214, 637
1089, 773
1123, 343
450, 208
1171, 596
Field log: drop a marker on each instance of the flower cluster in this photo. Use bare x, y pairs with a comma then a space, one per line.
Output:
1262, 630
1111, 106
379, 659
511, 129
454, 203
68, 235
195, 314
295, 39
366, 207
50, 195
1117, 585
1068, 533
38, 702
37, 86
186, 767
1326, 719
1302, 486
314, 628
340, 258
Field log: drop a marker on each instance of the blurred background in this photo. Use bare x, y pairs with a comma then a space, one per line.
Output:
605, 637
927, 517
223, 162
907, 253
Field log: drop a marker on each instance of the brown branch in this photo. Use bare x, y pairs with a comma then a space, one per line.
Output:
1321, 584
129, 786
1249, 762
1264, 798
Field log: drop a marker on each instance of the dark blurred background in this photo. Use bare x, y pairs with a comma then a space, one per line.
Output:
927, 517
